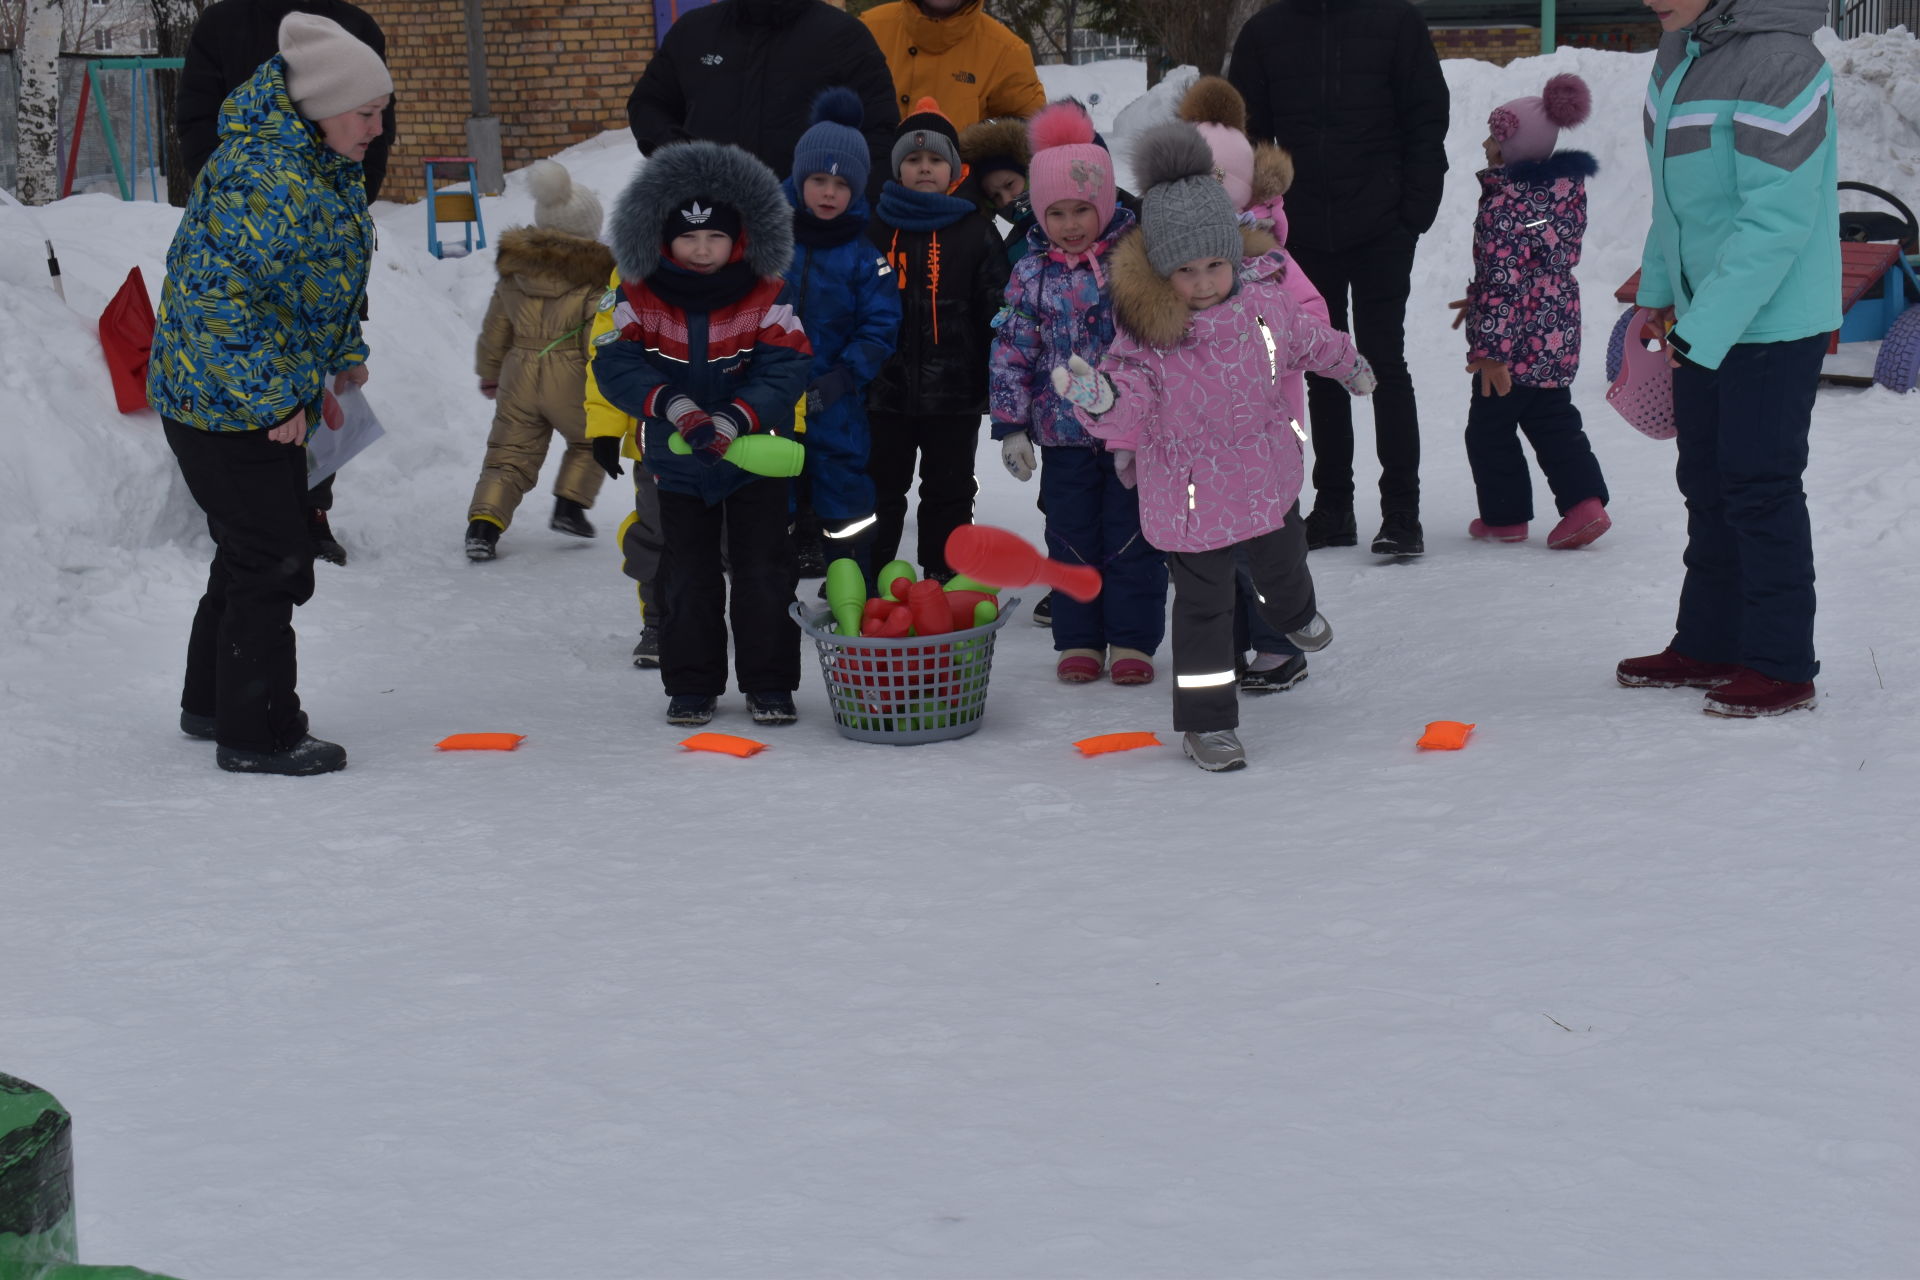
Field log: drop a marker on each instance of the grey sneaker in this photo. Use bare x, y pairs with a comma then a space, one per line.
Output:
1315, 636
1216, 752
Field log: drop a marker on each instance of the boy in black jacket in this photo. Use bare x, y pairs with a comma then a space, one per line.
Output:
952, 270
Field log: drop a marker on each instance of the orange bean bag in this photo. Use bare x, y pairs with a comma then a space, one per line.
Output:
481, 742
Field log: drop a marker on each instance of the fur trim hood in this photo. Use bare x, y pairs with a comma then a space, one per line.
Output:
1006, 136
1561, 164
538, 251
677, 173
1144, 303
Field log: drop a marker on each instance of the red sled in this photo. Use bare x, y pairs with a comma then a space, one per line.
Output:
126, 335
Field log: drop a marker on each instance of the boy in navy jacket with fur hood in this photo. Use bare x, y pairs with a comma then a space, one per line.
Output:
705, 346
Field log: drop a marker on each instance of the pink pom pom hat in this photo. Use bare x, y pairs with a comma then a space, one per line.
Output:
1528, 129
1067, 163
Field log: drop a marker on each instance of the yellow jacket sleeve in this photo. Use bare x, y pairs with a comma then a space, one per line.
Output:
603, 419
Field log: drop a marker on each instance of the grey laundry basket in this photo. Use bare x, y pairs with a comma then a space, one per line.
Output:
911, 690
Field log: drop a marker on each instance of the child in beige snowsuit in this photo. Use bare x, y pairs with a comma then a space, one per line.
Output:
532, 360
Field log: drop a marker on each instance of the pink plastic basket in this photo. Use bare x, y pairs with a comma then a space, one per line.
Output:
1643, 391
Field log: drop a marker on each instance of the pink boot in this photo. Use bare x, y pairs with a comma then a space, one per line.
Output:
1130, 666
1587, 521
1078, 666
1497, 532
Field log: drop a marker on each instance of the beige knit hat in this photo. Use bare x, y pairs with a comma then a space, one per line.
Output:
328, 71
560, 203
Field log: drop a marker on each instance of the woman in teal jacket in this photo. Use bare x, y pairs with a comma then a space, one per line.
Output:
1743, 261
260, 310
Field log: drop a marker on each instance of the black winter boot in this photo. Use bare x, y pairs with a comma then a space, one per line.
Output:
304, 758
325, 545
570, 518
1399, 535
483, 537
1331, 527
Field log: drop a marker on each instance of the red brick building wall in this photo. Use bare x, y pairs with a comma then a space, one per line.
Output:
1504, 44
558, 73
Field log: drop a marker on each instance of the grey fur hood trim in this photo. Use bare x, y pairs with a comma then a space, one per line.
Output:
678, 172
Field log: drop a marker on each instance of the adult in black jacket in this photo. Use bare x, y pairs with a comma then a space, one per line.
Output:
229, 42
747, 71
1353, 89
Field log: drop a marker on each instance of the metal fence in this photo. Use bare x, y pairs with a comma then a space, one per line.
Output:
1862, 17
94, 169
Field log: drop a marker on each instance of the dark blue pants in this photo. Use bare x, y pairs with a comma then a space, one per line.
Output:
1748, 593
1094, 519
1551, 423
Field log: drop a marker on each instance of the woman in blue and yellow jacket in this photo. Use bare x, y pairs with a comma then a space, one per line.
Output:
260, 312
1743, 261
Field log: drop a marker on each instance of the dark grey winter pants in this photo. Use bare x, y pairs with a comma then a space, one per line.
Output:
1206, 675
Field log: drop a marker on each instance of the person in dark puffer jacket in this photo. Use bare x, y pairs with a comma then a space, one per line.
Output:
1353, 89
746, 72
845, 293
704, 345
951, 270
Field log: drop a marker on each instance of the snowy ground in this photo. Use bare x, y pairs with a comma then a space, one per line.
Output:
1619, 990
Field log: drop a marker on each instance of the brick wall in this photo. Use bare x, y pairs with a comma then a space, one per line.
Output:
1490, 44
1505, 43
558, 73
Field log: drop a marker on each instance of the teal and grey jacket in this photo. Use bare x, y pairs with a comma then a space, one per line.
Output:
265, 275
1740, 137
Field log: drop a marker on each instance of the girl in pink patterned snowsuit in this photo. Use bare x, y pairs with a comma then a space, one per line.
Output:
1522, 313
1192, 400
1256, 176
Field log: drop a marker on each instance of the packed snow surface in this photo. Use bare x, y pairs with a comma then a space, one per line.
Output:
1618, 990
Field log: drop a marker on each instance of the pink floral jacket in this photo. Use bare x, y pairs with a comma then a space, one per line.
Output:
1202, 399
1523, 306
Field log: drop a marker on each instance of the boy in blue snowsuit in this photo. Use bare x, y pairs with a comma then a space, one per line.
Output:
846, 295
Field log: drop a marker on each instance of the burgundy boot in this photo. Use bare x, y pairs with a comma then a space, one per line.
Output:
1669, 670
1750, 695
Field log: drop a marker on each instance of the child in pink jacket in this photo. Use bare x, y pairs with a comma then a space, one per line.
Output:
1256, 177
1191, 399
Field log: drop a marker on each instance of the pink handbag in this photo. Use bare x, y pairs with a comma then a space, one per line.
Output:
1643, 391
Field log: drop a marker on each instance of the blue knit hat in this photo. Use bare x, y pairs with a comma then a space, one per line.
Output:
834, 144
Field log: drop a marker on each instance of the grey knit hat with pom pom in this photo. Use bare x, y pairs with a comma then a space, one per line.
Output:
1185, 213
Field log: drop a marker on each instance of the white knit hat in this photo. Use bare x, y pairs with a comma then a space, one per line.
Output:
328, 71
560, 203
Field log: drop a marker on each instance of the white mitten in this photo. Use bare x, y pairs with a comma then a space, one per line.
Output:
1123, 468
1016, 452
1081, 384
1361, 381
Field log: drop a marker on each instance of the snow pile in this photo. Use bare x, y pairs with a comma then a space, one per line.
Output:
1613, 991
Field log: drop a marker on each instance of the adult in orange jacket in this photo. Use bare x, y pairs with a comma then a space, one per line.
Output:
953, 52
